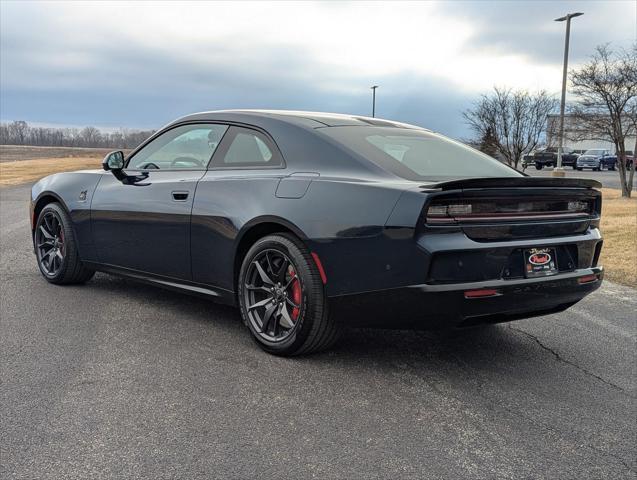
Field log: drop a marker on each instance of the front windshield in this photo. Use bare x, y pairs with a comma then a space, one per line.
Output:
593, 152
417, 154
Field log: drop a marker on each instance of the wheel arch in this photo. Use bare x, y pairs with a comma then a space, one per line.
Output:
42, 200
254, 230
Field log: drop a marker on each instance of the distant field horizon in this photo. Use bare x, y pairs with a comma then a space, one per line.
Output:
14, 153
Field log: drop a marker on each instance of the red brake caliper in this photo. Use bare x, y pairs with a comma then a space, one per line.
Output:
296, 292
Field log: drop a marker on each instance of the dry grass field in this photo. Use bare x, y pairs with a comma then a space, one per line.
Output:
619, 216
619, 227
12, 153
16, 172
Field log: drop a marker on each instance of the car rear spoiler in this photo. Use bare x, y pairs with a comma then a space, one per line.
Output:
507, 182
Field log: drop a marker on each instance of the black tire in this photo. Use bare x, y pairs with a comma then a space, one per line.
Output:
313, 329
67, 268
538, 166
579, 169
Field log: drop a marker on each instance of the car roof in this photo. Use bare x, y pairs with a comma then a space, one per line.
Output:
300, 118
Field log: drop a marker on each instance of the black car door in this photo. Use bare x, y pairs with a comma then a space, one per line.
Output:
144, 225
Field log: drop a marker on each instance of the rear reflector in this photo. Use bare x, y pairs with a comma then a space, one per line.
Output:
319, 265
587, 279
485, 292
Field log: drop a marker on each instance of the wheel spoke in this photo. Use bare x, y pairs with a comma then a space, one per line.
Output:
267, 317
262, 274
277, 319
287, 285
44, 231
59, 255
55, 225
286, 321
280, 275
46, 242
254, 288
291, 303
269, 262
262, 303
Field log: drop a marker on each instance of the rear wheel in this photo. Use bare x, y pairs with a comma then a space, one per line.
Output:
55, 248
538, 166
282, 299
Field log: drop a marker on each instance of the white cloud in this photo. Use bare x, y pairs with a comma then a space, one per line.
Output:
262, 53
340, 41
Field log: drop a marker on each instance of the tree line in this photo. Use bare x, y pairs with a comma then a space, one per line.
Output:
21, 133
512, 123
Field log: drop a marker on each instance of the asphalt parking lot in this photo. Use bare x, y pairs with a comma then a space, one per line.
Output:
608, 178
116, 379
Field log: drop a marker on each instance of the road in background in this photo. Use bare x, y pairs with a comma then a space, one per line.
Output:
608, 178
116, 379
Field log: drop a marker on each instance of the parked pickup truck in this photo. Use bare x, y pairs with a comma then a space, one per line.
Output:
548, 158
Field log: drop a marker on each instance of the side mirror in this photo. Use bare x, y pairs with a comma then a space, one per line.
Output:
113, 161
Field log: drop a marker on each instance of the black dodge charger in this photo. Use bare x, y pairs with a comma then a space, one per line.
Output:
311, 221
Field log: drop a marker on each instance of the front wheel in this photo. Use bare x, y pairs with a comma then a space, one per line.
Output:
55, 248
538, 166
282, 299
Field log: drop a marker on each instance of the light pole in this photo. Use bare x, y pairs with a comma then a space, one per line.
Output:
559, 171
374, 100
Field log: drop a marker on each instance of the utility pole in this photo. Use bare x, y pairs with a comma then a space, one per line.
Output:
558, 171
374, 100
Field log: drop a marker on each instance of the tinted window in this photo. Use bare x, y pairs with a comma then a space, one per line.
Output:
418, 154
185, 147
247, 148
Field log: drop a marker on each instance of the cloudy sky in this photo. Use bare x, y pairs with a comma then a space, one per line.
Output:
139, 65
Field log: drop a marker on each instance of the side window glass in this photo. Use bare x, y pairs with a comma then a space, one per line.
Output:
249, 148
186, 147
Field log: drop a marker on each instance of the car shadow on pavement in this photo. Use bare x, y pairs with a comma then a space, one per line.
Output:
474, 346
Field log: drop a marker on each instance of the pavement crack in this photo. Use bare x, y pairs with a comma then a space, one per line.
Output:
560, 358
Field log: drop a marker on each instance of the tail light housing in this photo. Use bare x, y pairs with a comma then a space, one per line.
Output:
478, 210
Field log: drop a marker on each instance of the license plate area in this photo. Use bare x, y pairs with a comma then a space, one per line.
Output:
540, 262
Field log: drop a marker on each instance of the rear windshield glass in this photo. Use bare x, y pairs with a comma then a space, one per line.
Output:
418, 154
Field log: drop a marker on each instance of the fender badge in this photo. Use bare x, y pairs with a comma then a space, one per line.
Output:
83, 196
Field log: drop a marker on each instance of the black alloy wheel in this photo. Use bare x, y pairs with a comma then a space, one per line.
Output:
55, 247
273, 292
49, 243
282, 297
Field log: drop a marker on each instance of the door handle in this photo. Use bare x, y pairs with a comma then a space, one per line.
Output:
180, 196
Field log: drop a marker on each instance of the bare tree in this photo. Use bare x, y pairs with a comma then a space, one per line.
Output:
18, 131
513, 120
91, 135
606, 92
21, 133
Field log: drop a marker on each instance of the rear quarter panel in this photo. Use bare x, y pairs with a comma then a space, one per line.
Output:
342, 221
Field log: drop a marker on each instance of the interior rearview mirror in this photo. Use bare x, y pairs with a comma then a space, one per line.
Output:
113, 161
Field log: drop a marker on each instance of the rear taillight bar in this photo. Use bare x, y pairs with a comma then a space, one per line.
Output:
454, 211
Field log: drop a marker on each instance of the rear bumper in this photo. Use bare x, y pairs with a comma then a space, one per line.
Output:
447, 306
